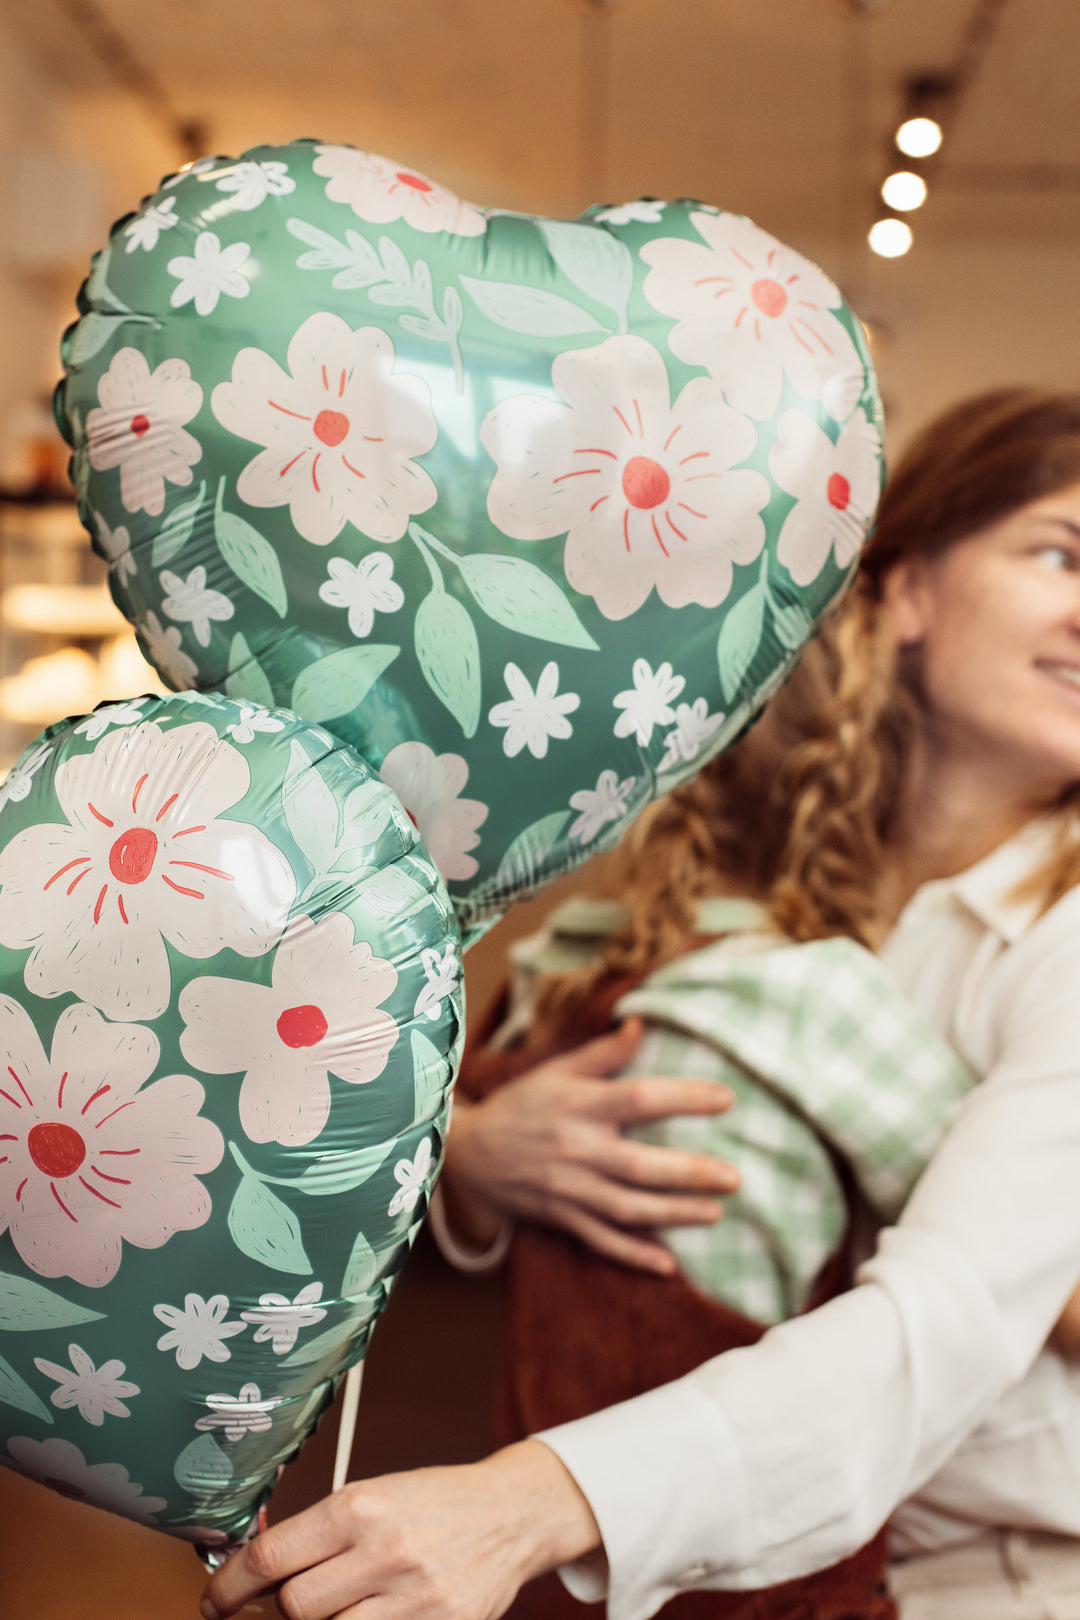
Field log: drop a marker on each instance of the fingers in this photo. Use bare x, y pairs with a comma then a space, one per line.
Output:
643, 1165
275, 1555
617, 1204
631, 1249
636, 1101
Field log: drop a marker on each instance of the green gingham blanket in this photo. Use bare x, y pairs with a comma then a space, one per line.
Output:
824, 1055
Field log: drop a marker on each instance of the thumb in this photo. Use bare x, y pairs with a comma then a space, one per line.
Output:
609, 1053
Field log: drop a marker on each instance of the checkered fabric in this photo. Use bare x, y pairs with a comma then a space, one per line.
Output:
822, 1052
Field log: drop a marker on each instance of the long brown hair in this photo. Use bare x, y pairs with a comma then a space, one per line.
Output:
799, 813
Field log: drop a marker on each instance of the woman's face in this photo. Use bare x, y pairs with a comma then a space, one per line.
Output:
995, 620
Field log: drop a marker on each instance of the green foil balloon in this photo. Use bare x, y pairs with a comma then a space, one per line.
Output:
534, 513
229, 1016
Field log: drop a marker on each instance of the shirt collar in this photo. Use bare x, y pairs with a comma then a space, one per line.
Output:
987, 888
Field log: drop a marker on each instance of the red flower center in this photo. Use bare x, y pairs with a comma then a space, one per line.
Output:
838, 491
131, 859
769, 297
302, 1026
413, 180
331, 427
644, 482
140, 425
57, 1149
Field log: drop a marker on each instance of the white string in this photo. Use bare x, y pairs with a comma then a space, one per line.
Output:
350, 1402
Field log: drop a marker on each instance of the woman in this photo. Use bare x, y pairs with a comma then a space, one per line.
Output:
947, 776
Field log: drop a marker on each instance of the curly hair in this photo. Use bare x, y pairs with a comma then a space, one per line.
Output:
799, 813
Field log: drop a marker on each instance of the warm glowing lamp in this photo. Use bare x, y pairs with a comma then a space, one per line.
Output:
890, 238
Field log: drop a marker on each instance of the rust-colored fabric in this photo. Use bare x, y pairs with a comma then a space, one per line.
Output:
582, 1333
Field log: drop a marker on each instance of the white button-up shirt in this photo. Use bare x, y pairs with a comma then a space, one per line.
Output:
927, 1384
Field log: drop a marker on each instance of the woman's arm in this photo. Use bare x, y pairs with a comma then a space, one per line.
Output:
548, 1147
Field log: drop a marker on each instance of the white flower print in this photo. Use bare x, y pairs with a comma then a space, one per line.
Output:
379, 191
836, 486
644, 490
198, 1330
252, 183
62, 1465
91, 1156
16, 785
212, 271
606, 802
110, 714
246, 1413
138, 427
751, 310
147, 226
340, 428
411, 1176
441, 973
646, 211
694, 726
94, 1390
142, 859
365, 590
429, 786
190, 601
116, 545
253, 720
285, 1043
166, 654
648, 702
531, 718
279, 1320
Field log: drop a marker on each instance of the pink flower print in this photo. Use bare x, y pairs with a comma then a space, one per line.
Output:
320, 1015
379, 190
429, 786
643, 489
90, 1156
142, 858
836, 486
138, 427
62, 1466
750, 311
340, 429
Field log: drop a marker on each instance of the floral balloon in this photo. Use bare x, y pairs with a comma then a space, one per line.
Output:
535, 513
229, 1018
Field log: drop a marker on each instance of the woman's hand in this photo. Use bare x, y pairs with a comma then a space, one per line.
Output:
548, 1147
1065, 1337
434, 1544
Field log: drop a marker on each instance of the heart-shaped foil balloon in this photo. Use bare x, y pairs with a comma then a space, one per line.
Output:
229, 1013
534, 513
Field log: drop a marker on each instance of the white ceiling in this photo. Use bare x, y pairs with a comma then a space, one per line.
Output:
778, 108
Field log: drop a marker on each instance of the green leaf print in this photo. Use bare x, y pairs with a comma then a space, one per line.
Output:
595, 261
522, 597
27, 1307
203, 1467
265, 1229
15, 1391
792, 624
448, 653
334, 685
176, 530
430, 1071
250, 555
94, 331
361, 1268
311, 811
524, 858
740, 636
246, 677
529, 310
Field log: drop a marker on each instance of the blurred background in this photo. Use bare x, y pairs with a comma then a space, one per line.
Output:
965, 273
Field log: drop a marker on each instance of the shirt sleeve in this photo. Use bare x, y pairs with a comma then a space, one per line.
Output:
769, 1462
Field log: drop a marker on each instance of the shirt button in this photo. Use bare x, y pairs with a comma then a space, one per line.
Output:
691, 1576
